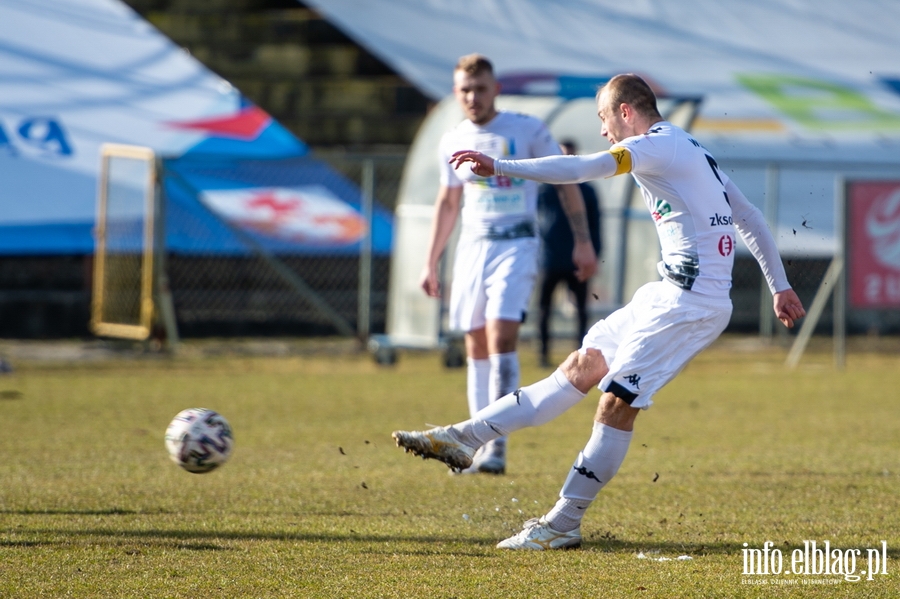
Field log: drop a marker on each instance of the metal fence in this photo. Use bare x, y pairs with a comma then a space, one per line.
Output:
255, 294
260, 292
799, 199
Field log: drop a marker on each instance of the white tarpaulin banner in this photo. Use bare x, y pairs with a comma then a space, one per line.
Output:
792, 94
779, 69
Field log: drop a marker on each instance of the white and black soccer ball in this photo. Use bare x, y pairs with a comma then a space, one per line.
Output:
199, 440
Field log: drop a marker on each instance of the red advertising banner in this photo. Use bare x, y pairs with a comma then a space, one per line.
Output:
873, 244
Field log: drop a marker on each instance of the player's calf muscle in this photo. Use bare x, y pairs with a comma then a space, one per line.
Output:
585, 371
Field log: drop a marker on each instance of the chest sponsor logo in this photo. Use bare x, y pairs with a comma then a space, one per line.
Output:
726, 245
496, 146
660, 209
496, 182
720, 220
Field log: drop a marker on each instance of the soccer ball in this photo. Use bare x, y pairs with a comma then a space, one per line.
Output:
199, 440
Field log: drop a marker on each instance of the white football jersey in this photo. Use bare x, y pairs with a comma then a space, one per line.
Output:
684, 189
496, 201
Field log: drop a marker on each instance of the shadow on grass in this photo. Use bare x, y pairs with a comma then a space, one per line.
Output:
201, 547
107, 512
200, 541
26, 543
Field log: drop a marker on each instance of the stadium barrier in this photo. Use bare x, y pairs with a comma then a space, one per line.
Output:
249, 291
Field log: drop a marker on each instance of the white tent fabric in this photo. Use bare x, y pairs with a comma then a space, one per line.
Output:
811, 85
772, 69
794, 94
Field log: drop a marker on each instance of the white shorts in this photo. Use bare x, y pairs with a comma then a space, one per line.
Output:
492, 280
650, 340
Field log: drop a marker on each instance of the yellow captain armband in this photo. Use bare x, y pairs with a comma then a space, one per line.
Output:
623, 159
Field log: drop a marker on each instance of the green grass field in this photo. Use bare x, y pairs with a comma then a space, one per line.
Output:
316, 501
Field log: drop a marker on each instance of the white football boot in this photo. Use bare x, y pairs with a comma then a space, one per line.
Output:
493, 458
439, 443
537, 535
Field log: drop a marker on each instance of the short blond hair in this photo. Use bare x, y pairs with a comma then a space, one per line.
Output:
474, 64
630, 89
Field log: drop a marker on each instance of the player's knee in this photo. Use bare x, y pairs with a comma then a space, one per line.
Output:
615, 412
501, 336
585, 370
476, 345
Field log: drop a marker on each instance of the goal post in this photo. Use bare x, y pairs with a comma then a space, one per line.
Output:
122, 304
174, 231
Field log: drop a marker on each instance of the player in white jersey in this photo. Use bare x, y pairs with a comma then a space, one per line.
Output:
639, 348
496, 257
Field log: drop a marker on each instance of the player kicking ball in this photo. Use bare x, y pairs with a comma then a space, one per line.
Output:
636, 350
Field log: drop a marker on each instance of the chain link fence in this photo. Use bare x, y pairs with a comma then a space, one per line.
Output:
800, 197
749, 290
223, 282
250, 290
240, 291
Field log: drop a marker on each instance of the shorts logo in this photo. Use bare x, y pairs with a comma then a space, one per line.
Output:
633, 380
661, 209
726, 245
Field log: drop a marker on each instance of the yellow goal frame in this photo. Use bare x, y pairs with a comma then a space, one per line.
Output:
100, 325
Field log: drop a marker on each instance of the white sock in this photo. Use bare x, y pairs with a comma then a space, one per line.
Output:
475, 433
529, 406
595, 466
478, 384
504, 379
566, 514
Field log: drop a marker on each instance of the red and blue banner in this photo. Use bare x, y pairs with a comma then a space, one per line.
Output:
76, 74
873, 244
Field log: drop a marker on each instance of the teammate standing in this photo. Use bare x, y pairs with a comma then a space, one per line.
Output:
639, 348
496, 257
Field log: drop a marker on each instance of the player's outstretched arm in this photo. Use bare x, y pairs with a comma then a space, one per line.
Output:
751, 225
788, 307
548, 169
